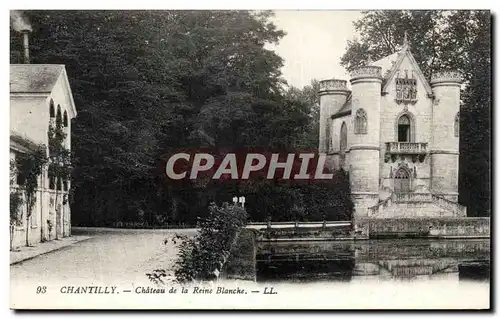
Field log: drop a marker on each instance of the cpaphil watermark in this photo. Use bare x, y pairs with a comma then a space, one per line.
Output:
248, 164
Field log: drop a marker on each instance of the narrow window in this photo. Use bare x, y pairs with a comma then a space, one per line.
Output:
59, 116
328, 135
457, 125
52, 110
51, 181
343, 143
52, 178
360, 122
404, 129
59, 184
65, 119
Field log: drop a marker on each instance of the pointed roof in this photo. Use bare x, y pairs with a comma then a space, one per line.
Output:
39, 79
386, 63
34, 78
391, 63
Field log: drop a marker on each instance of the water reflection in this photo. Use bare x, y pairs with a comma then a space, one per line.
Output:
402, 259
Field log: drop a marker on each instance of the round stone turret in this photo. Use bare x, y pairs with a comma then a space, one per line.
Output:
449, 77
445, 133
366, 72
332, 96
364, 146
333, 86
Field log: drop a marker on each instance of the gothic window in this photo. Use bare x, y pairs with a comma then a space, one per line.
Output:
343, 143
360, 122
406, 89
52, 179
402, 181
20, 175
59, 116
52, 110
457, 124
328, 135
65, 119
404, 129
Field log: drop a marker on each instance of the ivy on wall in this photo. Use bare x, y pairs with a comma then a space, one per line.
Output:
29, 167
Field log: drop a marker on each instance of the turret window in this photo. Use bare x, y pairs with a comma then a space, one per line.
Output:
328, 135
457, 125
360, 122
343, 143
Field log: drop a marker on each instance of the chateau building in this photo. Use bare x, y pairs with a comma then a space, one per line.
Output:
40, 97
397, 135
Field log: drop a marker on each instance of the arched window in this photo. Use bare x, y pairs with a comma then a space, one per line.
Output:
360, 122
59, 116
65, 184
343, 143
404, 129
51, 109
328, 135
457, 124
52, 178
402, 181
65, 119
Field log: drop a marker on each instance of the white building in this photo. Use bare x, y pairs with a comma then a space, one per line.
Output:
398, 137
40, 95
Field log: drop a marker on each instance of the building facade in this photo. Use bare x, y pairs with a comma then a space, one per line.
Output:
40, 97
397, 135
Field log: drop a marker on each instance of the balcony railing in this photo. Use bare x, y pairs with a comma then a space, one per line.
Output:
412, 197
406, 148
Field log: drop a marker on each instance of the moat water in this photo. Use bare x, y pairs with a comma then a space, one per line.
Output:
388, 259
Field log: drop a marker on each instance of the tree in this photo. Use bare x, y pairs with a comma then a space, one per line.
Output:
59, 163
443, 40
147, 83
308, 96
16, 202
30, 167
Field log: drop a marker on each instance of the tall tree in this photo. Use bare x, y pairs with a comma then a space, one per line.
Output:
309, 97
147, 83
458, 40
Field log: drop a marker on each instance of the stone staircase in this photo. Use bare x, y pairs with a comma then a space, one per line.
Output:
416, 205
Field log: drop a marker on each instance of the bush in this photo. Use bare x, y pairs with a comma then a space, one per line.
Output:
201, 256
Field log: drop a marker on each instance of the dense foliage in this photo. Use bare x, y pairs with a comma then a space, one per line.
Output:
459, 40
16, 202
29, 168
59, 168
148, 83
202, 257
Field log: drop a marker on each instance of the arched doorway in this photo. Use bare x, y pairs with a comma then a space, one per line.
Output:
402, 181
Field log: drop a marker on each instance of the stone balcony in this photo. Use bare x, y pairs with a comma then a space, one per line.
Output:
406, 148
412, 197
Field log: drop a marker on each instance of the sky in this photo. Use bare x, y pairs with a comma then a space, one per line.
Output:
314, 43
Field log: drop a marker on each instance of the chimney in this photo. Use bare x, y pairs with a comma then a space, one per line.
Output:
26, 45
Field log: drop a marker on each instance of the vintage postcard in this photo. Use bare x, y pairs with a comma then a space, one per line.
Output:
195, 159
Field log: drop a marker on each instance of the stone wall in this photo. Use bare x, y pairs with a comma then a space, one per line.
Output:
436, 227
